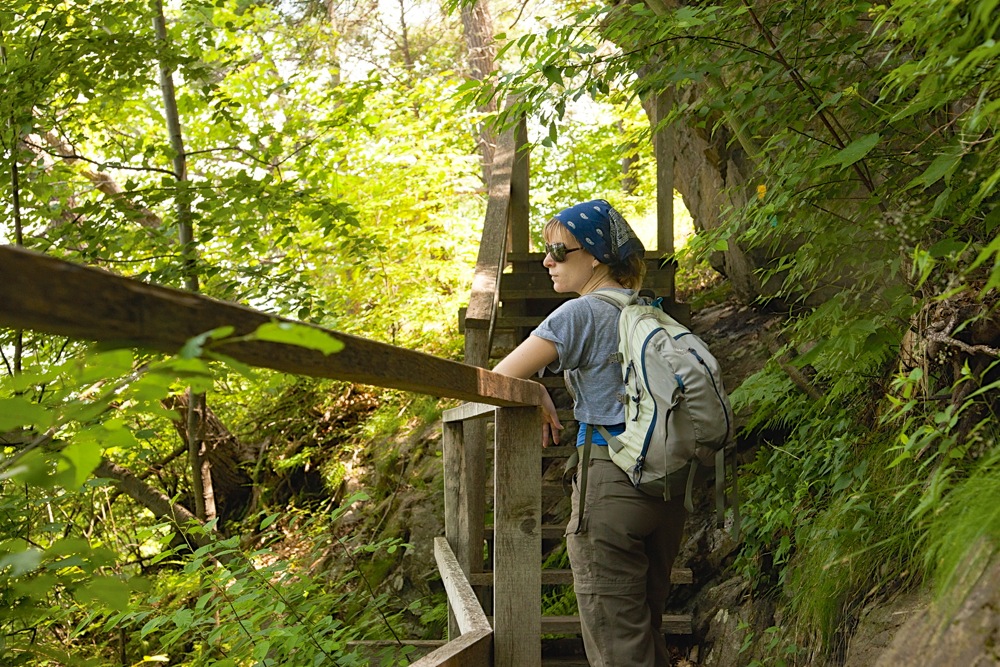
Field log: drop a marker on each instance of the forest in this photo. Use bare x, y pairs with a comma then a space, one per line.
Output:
836, 169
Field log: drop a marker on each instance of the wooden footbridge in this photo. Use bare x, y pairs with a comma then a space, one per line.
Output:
495, 601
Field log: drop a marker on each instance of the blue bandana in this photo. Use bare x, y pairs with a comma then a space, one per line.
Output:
601, 230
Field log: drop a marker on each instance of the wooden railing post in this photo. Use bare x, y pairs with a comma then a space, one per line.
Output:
464, 497
517, 579
451, 461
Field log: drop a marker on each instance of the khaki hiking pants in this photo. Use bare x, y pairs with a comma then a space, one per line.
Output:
621, 558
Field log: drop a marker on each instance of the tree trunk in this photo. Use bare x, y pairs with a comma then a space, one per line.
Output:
222, 455
477, 24
152, 499
201, 478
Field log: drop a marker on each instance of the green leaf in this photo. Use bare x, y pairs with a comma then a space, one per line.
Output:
79, 459
300, 335
112, 592
194, 346
18, 412
946, 247
553, 74
853, 152
943, 164
20, 562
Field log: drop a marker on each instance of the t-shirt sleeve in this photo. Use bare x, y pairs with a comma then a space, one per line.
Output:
571, 321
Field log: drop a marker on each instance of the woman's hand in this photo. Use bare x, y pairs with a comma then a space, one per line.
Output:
526, 360
550, 422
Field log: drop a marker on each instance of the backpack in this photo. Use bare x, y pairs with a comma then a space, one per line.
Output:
678, 420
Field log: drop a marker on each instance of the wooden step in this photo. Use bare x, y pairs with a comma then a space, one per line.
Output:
673, 624
505, 320
565, 661
549, 532
653, 257
559, 452
678, 576
658, 281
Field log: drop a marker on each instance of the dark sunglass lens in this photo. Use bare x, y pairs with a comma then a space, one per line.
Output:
557, 251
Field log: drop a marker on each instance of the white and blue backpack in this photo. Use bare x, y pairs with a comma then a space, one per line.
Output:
678, 420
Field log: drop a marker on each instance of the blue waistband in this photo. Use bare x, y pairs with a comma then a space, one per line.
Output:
597, 438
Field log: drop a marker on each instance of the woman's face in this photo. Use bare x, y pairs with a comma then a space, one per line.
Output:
573, 273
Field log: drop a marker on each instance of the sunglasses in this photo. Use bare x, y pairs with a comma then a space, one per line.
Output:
558, 251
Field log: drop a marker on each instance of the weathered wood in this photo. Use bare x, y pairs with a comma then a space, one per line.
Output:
541, 283
679, 575
471, 650
472, 475
468, 411
451, 460
652, 257
57, 297
518, 539
519, 208
461, 598
672, 624
465, 501
493, 248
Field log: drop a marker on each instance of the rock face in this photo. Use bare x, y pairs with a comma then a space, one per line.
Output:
962, 629
879, 626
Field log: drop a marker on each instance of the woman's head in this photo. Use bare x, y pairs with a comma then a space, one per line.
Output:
599, 229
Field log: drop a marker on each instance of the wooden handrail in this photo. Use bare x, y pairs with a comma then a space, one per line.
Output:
472, 648
462, 598
57, 297
492, 249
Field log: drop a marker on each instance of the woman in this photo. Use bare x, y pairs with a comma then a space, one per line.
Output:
623, 549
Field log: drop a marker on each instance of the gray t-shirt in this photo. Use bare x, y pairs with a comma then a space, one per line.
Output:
585, 333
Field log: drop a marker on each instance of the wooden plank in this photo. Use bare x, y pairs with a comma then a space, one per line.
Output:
514, 283
53, 296
652, 257
679, 575
549, 532
451, 460
493, 247
673, 624
559, 451
468, 411
461, 598
518, 539
478, 343
471, 650
472, 476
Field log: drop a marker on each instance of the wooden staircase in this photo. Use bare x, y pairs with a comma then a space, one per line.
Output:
511, 294
525, 299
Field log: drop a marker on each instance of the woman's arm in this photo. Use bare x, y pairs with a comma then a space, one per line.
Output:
528, 358
525, 361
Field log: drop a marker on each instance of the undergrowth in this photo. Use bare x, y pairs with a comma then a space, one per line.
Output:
854, 501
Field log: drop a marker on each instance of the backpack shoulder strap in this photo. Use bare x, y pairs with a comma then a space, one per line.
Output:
616, 299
